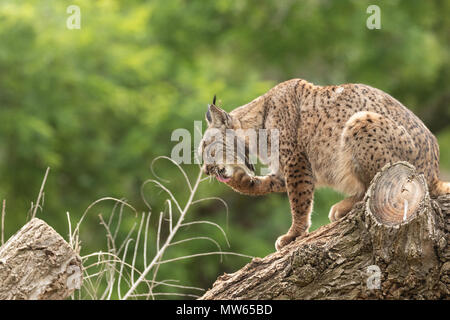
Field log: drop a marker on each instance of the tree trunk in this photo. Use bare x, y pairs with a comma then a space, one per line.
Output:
392, 245
36, 263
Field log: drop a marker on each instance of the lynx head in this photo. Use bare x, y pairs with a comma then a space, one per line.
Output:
221, 149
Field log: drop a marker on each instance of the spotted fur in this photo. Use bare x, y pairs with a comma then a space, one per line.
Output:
335, 136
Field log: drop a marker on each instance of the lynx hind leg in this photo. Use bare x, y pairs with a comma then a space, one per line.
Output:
441, 188
369, 141
343, 207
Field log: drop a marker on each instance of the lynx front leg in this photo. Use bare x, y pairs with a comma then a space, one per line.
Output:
300, 188
255, 186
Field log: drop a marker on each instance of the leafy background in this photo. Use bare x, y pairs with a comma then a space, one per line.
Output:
98, 104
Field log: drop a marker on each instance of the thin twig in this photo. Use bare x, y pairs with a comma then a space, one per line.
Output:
168, 240
3, 221
145, 238
206, 254
207, 222
111, 273
136, 247
41, 191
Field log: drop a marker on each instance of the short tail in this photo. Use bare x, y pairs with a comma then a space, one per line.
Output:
441, 188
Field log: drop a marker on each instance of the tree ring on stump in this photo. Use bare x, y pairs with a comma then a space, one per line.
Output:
396, 194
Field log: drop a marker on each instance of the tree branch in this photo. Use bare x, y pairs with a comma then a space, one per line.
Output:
37, 263
392, 245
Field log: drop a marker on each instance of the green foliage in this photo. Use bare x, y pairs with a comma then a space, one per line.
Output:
98, 104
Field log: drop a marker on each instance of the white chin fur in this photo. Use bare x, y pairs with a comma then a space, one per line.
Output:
229, 170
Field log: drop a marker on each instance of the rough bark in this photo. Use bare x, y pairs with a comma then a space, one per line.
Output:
37, 263
392, 245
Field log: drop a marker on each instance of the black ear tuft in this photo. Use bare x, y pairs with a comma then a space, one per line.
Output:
214, 100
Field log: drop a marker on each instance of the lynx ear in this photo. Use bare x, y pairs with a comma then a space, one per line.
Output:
208, 113
208, 116
216, 116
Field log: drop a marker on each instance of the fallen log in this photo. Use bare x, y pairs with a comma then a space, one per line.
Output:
37, 263
392, 245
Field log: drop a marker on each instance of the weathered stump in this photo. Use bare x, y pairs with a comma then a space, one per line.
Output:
392, 245
37, 263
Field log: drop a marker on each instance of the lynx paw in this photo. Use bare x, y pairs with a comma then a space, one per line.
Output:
241, 180
341, 209
284, 240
